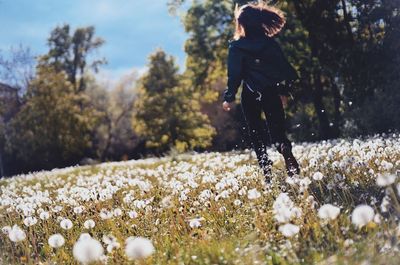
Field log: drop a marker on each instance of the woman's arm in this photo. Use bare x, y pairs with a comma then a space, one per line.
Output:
235, 76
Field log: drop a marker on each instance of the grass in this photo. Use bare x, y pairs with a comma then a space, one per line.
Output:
167, 193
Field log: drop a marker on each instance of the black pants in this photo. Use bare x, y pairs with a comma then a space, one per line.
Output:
271, 105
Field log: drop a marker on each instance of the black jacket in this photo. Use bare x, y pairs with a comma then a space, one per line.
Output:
259, 63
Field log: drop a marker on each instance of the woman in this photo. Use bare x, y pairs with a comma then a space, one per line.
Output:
256, 61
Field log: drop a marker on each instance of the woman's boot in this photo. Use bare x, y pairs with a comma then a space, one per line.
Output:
292, 167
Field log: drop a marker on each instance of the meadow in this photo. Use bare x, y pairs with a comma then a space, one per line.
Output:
211, 208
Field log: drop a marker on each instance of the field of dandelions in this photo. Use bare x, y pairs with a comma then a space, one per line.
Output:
211, 208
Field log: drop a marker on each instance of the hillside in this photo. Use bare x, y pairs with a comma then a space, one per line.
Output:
211, 208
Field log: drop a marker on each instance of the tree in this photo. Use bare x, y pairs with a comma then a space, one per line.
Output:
69, 53
167, 111
17, 67
353, 42
114, 136
50, 130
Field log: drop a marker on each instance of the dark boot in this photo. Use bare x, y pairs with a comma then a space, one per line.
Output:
292, 167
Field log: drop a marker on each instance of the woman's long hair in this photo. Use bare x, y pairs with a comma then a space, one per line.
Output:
255, 20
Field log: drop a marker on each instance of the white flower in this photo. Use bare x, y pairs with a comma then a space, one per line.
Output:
105, 214
57, 208
253, 194
195, 222
318, 176
289, 230
16, 234
386, 165
56, 240
84, 236
362, 215
6, 229
284, 209
109, 239
117, 212
111, 242
328, 211
66, 224
385, 204
377, 218
138, 247
89, 224
44, 215
386, 179
30, 220
348, 242
132, 214
237, 202
79, 209
87, 250
166, 202
304, 183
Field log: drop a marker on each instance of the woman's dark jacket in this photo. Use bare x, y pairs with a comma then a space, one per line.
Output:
259, 63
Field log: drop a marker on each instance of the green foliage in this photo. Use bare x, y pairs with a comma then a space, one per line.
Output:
69, 53
345, 52
53, 127
114, 137
167, 113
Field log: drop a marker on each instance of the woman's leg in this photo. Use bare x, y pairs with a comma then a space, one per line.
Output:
273, 109
252, 112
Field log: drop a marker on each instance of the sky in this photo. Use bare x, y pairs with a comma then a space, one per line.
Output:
132, 29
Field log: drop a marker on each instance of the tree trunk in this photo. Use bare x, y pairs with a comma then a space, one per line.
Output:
324, 129
337, 115
1, 167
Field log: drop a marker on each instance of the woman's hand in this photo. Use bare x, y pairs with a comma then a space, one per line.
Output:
284, 100
226, 106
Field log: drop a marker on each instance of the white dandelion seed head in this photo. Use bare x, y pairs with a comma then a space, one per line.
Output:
362, 215
105, 214
111, 242
328, 211
385, 179
112, 246
78, 209
56, 241
377, 218
89, 224
16, 234
66, 224
87, 249
109, 239
195, 222
117, 212
253, 194
44, 215
284, 209
348, 242
132, 214
6, 229
57, 208
289, 230
318, 176
237, 202
138, 248
30, 220
166, 202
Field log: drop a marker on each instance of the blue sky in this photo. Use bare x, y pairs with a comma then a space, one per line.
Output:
132, 29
